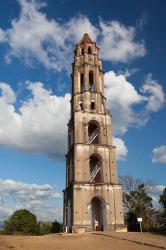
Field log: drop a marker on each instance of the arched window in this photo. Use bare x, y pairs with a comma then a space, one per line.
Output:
93, 105
81, 105
93, 133
95, 169
89, 50
91, 81
82, 82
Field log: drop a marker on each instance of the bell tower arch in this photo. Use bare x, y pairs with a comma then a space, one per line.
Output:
93, 197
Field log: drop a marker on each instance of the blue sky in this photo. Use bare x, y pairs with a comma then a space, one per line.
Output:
37, 40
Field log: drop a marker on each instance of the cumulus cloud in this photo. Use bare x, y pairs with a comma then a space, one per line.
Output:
118, 42
35, 197
38, 126
50, 41
7, 94
123, 97
154, 90
47, 41
159, 154
121, 149
2, 35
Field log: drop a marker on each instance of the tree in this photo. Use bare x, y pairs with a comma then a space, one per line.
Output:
22, 221
130, 185
45, 228
162, 212
137, 202
56, 227
162, 199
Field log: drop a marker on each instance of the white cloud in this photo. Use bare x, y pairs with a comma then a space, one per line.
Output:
118, 42
38, 125
41, 123
121, 149
2, 35
128, 72
7, 94
39, 37
159, 154
157, 189
154, 90
77, 26
50, 41
122, 98
47, 41
23, 191
37, 198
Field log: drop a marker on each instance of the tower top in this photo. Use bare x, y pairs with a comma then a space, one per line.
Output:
86, 39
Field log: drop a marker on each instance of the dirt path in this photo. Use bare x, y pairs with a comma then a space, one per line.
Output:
70, 242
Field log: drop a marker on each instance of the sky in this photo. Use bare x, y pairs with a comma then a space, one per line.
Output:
37, 40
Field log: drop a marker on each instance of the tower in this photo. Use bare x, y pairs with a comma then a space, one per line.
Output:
92, 198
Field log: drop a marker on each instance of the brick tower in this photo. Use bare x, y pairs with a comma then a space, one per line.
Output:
92, 198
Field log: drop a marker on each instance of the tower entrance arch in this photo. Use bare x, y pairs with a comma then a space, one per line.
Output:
99, 214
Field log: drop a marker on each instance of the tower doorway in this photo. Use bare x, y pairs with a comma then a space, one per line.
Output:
99, 215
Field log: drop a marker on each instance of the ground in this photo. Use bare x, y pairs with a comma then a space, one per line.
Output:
76, 242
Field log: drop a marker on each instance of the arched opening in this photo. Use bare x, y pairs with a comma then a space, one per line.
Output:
81, 105
82, 82
82, 51
93, 133
95, 169
91, 81
93, 105
99, 214
89, 50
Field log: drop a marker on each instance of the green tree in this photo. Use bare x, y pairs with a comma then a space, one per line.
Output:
56, 227
140, 206
162, 199
22, 221
137, 202
162, 212
45, 228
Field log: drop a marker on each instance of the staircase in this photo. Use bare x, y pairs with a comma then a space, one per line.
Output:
93, 135
94, 171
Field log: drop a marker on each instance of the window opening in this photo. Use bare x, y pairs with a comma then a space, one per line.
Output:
82, 82
89, 50
93, 106
93, 133
91, 81
81, 105
95, 169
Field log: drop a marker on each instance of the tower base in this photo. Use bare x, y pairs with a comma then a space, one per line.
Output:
85, 229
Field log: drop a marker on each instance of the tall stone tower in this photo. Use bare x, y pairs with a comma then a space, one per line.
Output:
92, 198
